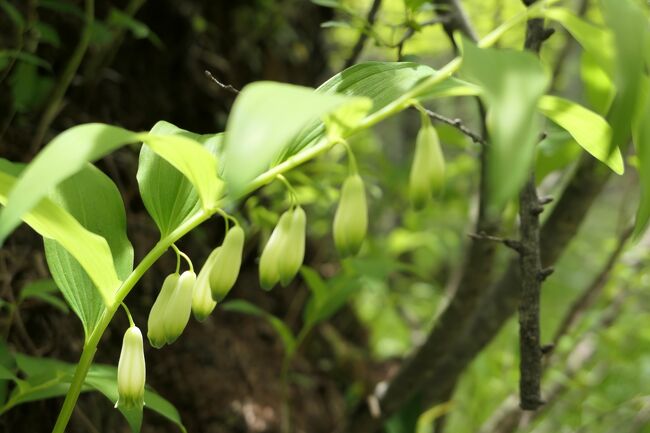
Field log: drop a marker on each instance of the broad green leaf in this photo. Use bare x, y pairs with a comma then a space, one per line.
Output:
595, 40
167, 194
263, 120
245, 307
47, 377
382, 83
327, 297
641, 137
53, 222
512, 83
93, 199
72, 149
589, 129
630, 27
45, 290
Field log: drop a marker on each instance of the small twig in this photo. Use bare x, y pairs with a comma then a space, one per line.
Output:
226, 87
510, 243
458, 124
358, 47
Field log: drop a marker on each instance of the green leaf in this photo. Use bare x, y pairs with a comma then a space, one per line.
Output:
512, 83
92, 198
47, 377
382, 83
245, 307
14, 15
630, 27
168, 195
70, 150
24, 57
327, 297
53, 222
595, 40
641, 137
45, 290
263, 120
589, 129
139, 29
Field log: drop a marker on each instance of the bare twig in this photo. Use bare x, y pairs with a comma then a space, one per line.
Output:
510, 243
358, 47
530, 263
458, 124
226, 87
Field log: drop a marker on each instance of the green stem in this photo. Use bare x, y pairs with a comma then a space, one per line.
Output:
91, 344
128, 314
180, 254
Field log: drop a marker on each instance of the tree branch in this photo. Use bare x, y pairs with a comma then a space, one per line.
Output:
458, 124
358, 47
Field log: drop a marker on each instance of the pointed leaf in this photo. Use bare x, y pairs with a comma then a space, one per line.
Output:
589, 129
95, 201
264, 119
512, 82
167, 194
71, 150
53, 222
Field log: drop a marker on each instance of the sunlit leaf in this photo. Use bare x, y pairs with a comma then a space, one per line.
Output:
72, 149
264, 119
46, 291
589, 129
53, 222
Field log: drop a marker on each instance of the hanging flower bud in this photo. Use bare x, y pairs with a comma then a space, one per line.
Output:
428, 169
226, 266
294, 252
274, 252
131, 370
177, 311
202, 302
351, 218
155, 325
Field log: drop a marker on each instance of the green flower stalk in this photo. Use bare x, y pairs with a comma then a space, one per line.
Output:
202, 302
428, 169
227, 264
274, 251
179, 307
351, 218
156, 322
131, 370
293, 253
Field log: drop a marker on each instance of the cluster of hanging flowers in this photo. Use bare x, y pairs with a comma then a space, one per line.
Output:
186, 293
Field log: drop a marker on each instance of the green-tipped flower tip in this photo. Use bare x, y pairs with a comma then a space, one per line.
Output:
155, 325
202, 302
226, 266
131, 370
177, 311
273, 251
294, 252
351, 218
428, 169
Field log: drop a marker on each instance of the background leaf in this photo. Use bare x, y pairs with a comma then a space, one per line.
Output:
92, 198
167, 194
47, 378
513, 82
245, 307
45, 290
641, 136
589, 129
